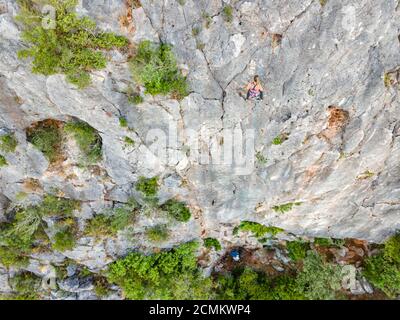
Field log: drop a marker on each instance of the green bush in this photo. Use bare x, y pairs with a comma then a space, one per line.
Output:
277, 141
101, 286
155, 67
99, 226
47, 138
383, 270
64, 240
196, 31
178, 210
88, 140
129, 141
245, 284
109, 224
56, 206
228, 13
329, 242
26, 231
3, 161
26, 223
212, 243
257, 229
26, 285
319, 280
148, 186
73, 47
286, 207
14, 250
207, 19
11, 257
123, 122
392, 249
297, 249
158, 233
167, 275
383, 273
135, 98
8, 143
261, 159
285, 288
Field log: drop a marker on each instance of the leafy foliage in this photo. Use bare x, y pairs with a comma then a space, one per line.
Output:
383, 274
392, 249
212, 243
26, 285
383, 270
257, 229
329, 242
101, 286
178, 210
244, 284
286, 207
297, 249
261, 158
46, 137
3, 161
129, 141
8, 143
158, 233
228, 13
123, 122
247, 284
319, 280
109, 224
55, 206
64, 240
135, 98
155, 67
72, 47
166, 275
277, 141
88, 140
12, 257
26, 232
148, 186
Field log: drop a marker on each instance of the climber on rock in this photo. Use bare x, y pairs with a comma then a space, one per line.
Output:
255, 89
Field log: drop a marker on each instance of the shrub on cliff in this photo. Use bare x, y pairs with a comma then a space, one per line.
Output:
26, 286
8, 143
383, 270
154, 67
46, 137
319, 280
88, 140
178, 210
166, 275
70, 45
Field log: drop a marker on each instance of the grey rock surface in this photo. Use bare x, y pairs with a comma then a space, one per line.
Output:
309, 57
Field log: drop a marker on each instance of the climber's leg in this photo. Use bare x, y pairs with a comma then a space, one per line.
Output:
248, 95
261, 95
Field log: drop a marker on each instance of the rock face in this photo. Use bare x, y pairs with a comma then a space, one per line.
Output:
323, 69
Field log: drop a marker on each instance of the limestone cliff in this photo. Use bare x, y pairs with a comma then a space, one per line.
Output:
325, 141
